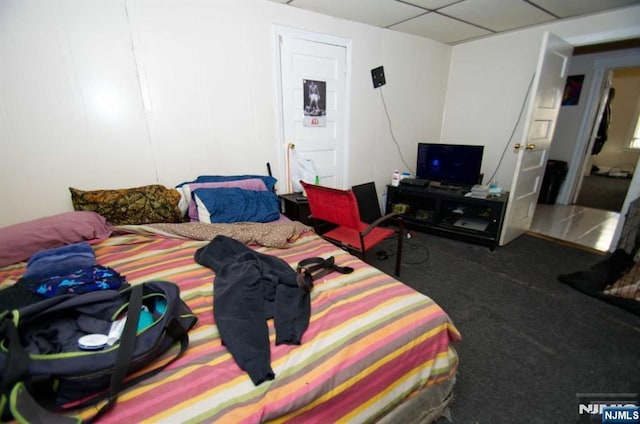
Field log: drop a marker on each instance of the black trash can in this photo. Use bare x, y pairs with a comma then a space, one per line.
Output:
554, 175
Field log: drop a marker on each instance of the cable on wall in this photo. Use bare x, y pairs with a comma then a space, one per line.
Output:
393, 137
524, 102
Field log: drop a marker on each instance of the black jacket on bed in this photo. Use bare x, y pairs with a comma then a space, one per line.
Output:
249, 288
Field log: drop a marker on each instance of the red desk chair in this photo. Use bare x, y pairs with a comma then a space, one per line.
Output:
340, 208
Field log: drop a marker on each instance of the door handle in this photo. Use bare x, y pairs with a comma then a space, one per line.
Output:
528, 146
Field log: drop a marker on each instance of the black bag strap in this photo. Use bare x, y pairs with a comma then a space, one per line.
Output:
17, 361
307, 267
27, 408
125, 351
178, 333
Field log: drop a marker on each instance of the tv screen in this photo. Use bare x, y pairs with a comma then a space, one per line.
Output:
454, 164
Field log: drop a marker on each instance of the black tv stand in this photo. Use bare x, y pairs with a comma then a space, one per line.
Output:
447, 211
416, 182
435, 186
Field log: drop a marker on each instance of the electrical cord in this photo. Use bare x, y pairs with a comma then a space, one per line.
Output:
524, 102
414, 247
407, 247
393, 137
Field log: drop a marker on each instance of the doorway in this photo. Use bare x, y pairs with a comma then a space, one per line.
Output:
566, 220
608, 174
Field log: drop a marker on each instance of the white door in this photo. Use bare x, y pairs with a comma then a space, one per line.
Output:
542, 111
322, 140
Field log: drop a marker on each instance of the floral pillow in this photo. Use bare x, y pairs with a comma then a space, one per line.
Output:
131, 206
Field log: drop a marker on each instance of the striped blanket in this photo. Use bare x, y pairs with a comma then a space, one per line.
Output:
372, 344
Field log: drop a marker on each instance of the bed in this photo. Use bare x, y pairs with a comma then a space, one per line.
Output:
375, 349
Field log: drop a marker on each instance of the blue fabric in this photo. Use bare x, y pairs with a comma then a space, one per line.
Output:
82, 280
59, 261
269, 181
226, 205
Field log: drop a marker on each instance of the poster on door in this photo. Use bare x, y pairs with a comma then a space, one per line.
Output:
315, 103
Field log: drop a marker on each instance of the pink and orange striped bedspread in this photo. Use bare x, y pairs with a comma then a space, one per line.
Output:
372, 343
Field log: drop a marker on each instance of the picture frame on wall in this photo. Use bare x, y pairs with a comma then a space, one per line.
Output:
572, 90
315, 103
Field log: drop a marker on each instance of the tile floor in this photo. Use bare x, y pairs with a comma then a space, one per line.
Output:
591, 228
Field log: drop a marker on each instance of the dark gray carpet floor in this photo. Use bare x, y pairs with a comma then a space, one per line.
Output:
530, 343
603, 192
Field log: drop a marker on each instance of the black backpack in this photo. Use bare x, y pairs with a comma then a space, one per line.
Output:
52, 352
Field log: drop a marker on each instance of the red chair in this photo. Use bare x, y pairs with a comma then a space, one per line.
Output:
340, 208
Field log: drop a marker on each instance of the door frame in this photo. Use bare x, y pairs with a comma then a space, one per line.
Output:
601, 68
581, 151
280, 31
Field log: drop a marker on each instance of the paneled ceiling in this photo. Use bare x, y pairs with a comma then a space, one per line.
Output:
456, 21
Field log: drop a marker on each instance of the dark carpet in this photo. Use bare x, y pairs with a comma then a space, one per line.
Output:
603, 192
530, 343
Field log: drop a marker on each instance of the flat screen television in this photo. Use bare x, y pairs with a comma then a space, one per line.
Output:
449, 164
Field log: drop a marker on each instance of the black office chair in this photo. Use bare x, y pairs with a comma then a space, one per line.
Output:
368, 205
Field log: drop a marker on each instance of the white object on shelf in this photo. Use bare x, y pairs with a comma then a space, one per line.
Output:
395, 178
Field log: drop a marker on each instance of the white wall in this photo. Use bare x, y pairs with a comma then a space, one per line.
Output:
70, 111
487, 87
119, 93
489, 79
414, 95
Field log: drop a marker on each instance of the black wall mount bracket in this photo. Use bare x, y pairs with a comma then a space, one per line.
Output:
377, 75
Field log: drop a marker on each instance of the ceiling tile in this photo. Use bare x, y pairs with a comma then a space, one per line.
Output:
440, 28
452, 21
373, 12
497, 15
431, 4
567, 8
